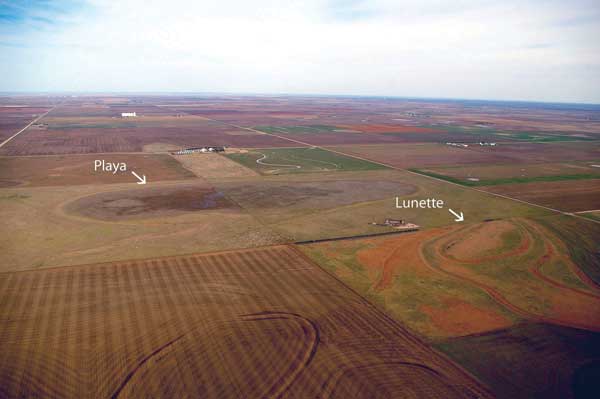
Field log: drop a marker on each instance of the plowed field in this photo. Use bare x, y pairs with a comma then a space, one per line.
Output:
254, 323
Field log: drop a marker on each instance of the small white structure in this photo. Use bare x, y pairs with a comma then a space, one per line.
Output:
128, 114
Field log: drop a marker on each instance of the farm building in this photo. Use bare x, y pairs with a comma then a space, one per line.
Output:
195, 150
399, 224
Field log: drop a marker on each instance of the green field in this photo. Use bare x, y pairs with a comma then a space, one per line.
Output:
505, 180
524, 136
317, 129
299, 160
582, 238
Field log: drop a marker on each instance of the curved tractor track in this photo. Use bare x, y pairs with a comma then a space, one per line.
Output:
462, 270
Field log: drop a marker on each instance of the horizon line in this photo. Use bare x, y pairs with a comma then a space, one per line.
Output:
284, 94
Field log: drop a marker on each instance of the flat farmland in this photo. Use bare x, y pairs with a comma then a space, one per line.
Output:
14, 118
543, 152
322, 205
62, 135
254, 323
419, 155
299, 160
390, 129
485, 175
65, 170
567, 196
344, 134
70, 225
213, 166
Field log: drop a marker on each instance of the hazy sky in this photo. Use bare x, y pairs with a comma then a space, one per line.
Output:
525, 50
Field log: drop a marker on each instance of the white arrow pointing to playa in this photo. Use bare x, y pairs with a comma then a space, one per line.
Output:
459, 218
142, 180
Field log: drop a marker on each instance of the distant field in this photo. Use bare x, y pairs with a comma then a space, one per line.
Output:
537, 136
569, 196
252, 324
491, 174
93, 134
64, 170
13, 119
299, 160
520, 174
420, 155
309, 129
543, 152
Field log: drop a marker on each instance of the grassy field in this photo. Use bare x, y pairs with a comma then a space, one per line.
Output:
299, 160
477, 182
325, 205
435, 281
419, 155
390, 272
591, 215
508, 135
38, 219
581, 238
69, 170
315, 129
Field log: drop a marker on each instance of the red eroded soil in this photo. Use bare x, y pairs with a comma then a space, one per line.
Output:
566, 306
384, 260
460, 318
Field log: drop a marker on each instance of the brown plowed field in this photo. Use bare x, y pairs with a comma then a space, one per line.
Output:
567, 196
13, 119
66, 170
84, 140
254, 323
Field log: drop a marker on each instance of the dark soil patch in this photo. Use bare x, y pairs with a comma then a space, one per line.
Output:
530, 360
148, 203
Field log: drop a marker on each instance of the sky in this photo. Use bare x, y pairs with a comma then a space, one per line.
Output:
542, 50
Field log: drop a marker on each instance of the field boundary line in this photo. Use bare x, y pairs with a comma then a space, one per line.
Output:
166, 257
484, 390
26, 127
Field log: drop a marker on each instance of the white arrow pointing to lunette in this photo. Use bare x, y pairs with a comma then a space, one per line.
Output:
459, 218
142, 180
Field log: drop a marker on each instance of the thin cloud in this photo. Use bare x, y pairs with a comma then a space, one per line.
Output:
428, 48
